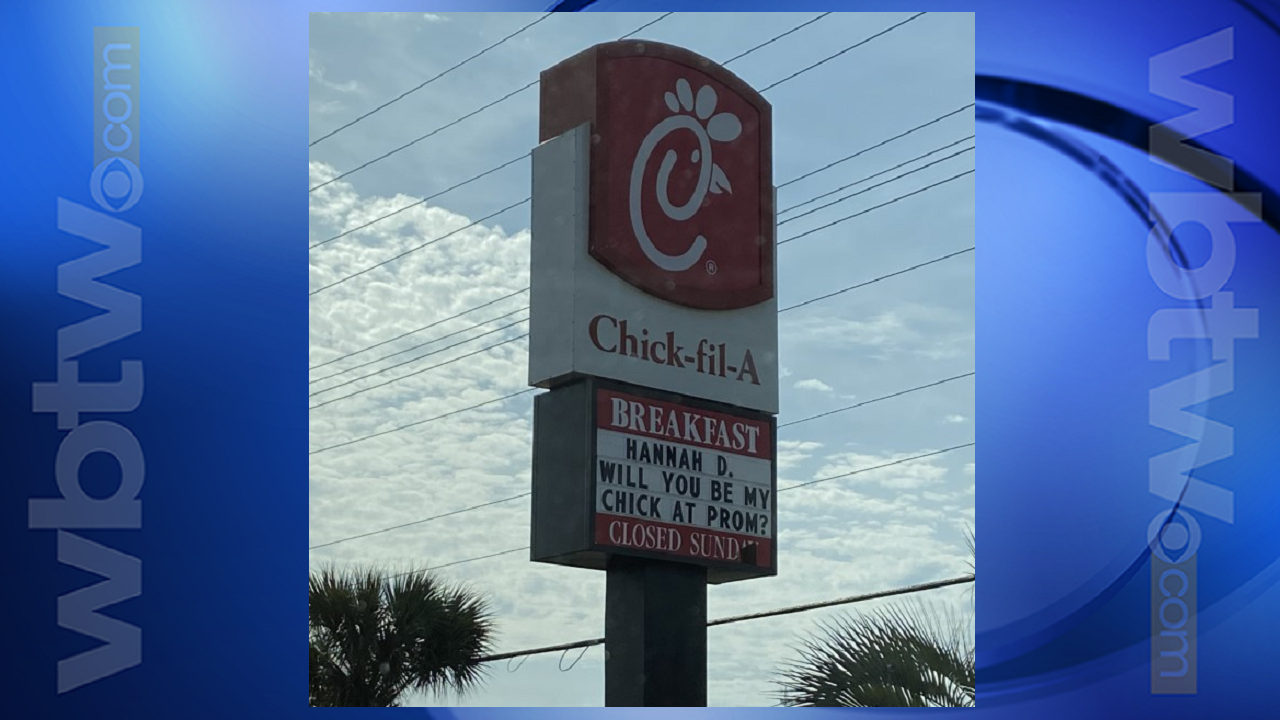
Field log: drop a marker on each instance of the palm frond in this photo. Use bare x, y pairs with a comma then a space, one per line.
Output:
905, 655
375, 636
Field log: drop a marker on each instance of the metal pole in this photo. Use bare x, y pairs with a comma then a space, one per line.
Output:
655, 630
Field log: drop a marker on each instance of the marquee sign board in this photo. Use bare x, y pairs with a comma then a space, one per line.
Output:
653, 225
619, 469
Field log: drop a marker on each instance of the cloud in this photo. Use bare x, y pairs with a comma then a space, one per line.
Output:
907, 517
813, 384
907, 475
866, 532
955, 419
794, 452
316, 73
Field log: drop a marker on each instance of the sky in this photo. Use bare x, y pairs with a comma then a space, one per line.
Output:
871, 531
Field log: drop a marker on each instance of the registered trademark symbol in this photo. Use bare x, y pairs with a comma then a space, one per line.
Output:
711, 267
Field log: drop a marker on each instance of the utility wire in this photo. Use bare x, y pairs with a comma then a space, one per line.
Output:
792, 487
824, 168
793, 207
406, 93
459, 562
420, 522
878, 174
521, 495
919, 587
876, 207
780, 242
448, 125
424, 327
875, 467
504, 342
906, 590
464, 182
876, 400
882, 143
781, 490
878, 279
793, 307
499, 212
421, 422
851, 47
477, 111
775, 38
420, 202
655, 21
869, 188
417, 140
484, 349
341, 280
415, 347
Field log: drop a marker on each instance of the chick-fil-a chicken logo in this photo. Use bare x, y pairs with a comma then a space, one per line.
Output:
680, 171
711, 178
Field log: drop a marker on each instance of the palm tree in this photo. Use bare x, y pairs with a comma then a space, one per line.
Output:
375, 636
911, 654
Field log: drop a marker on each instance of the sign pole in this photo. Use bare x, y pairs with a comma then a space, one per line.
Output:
655, 634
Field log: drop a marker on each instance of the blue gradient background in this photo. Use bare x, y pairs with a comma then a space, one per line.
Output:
1064, 298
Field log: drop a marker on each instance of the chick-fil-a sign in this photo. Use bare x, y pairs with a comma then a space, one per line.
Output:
681, 182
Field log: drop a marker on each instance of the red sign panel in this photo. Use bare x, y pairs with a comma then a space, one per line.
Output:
681, 540
682, 424
681, 178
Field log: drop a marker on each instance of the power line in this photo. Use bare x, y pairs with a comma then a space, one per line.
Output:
448, 125
415, 347
655, 21
424, 327
919, 587
876, 400
420, 202
793, 207
824, 168
417, 140
405, 94
433, 352
878, 279
517, 497
419, 522
851, 47
868, 189
421, 422
882, 143
876, 467
339, 281
877, 207
525, 155
775, 38
906, 590
484, 349
504, 342
793, 307
499, 212
537, 80
781, 490
459, 562
878, 174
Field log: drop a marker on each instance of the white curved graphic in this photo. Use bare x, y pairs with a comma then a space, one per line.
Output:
723, 128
